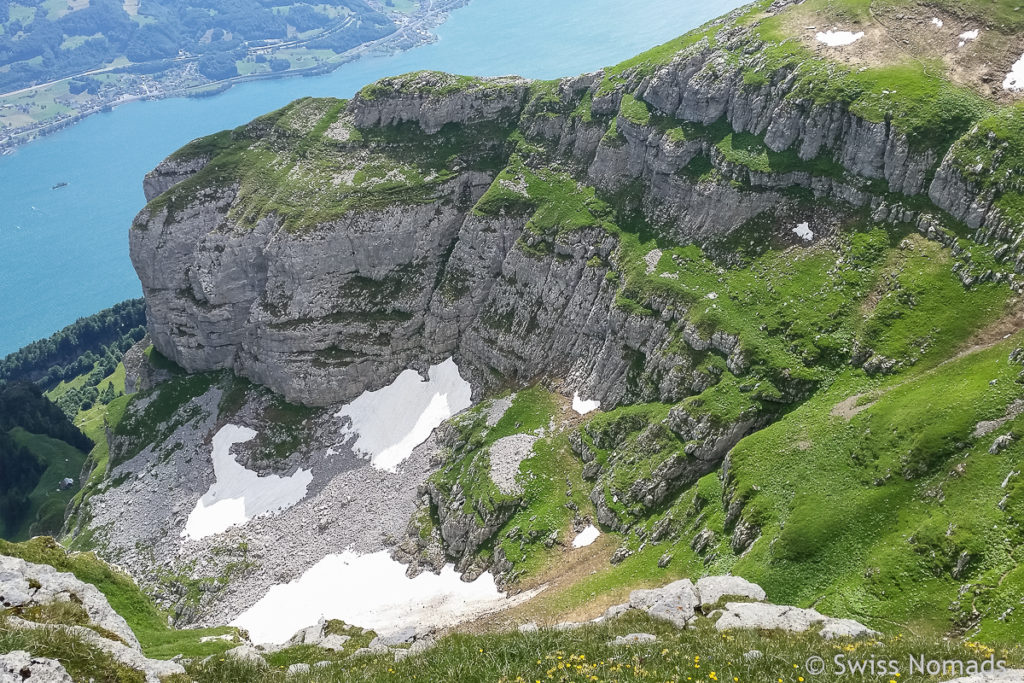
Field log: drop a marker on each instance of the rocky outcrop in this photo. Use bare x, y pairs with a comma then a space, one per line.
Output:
172, 171
709, 439
139, 374
682, 603
26, 584
744, 531
318, 635
700, 86
712, 589
433, 100
18, 666
676, 603
952, 192
130, 656
343, 303
681, 449
766, 617
422, 547
465, 528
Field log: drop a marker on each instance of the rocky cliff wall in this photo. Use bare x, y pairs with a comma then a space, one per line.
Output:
343, 303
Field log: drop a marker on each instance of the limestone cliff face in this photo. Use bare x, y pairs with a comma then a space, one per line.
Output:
701, 90
432, 101
323, 249
321, 317
315, 316
170, 172
323, 314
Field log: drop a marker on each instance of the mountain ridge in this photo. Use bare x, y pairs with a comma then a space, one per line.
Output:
706, 239
792, 292
866, 152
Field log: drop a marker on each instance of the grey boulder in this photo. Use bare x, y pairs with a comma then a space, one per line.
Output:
677, 603
246, 653
405, 635
317, 635
713, 588
632, 639
333, 642
1008, 676
616, 610
767, 617
18, 666
23, 584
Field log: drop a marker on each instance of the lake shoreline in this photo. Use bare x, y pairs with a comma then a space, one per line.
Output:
64, 253
413, 34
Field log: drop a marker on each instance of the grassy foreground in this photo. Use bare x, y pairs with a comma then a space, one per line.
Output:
149, 624
81, 660
585, 654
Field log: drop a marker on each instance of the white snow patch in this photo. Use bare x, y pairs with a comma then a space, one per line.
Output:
969, 35
239, 494
387, 424
583, 407
586, 537
1015, 79
938, 23
371, 591
839, 38
803, 230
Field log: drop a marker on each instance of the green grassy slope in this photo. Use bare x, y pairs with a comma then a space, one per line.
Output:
886, 515
878, 365
585, 654
700, 653
870, 494
46, 515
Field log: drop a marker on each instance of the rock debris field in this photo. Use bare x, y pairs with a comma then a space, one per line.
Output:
309, 542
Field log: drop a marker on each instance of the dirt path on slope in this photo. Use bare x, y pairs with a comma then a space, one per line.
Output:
992, 334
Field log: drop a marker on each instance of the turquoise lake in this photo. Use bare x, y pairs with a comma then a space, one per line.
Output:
64, 252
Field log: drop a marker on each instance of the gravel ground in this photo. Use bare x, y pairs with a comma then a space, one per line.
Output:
506, 455
350, 505
498, 408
